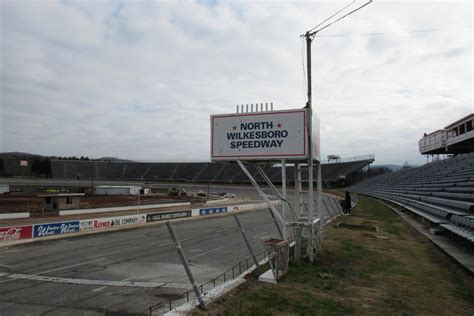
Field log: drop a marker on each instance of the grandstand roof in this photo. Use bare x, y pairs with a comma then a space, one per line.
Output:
460, 120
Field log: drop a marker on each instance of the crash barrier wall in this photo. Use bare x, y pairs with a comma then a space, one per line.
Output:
15, 215
11, 233
121, 208
100, 210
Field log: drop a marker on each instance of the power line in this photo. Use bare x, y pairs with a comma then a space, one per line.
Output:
333, 15
398, 32
342, 17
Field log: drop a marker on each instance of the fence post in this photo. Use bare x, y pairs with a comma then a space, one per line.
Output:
244, 236
184, 261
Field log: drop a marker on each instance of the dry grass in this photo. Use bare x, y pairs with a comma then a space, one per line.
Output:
393, 271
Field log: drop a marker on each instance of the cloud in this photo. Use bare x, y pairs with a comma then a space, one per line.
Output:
139, 80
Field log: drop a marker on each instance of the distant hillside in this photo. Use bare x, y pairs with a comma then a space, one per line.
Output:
18, 164
116, 159
394, 168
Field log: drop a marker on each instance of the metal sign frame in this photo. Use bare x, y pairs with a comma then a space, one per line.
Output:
296, 211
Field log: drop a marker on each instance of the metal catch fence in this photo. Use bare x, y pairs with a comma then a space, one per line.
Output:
229, 274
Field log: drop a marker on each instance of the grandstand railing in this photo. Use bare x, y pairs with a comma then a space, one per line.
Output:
351, 159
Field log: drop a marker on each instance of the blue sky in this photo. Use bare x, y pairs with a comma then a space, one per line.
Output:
139, 79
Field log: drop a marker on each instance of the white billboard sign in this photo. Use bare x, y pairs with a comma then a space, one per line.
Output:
259, 136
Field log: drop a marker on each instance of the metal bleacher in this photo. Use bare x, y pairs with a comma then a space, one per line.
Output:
334, 171
204, 172
440, 192
161, 171
187, 171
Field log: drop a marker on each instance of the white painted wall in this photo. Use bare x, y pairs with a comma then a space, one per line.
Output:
4, 188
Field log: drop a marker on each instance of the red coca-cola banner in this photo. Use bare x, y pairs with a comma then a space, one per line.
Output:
17, 232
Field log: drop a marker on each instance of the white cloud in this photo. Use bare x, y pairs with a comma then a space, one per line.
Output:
139, 79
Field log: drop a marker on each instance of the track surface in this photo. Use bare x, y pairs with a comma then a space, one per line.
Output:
123, 271
145, 255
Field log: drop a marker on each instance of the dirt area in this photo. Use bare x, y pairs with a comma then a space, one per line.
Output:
20, 202
28, 202
392, 271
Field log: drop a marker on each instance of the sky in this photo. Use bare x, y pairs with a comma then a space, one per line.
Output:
139, 79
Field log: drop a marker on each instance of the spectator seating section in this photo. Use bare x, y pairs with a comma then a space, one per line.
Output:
332, 172
441, 192
188, 172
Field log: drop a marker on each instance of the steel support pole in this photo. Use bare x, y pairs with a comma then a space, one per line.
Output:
283, 185
244, 236
320, 192
185, 263
310, 132
297, 206
272, 186
274, 211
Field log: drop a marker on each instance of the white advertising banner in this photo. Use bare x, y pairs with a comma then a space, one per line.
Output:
259, 136
109, 222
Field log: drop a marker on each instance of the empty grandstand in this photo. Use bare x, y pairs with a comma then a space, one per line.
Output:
456, 138
440, 193
334, 174
345, 171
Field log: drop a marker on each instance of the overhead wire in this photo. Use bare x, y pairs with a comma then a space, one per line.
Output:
398, 32
353, 1
342, 17
312, 32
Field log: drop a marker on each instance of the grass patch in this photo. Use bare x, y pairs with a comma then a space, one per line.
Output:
390, 272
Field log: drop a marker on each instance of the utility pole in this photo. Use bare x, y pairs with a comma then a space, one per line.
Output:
310, 131
309, 36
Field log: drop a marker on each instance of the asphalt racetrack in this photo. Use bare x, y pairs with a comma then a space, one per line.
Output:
123, 271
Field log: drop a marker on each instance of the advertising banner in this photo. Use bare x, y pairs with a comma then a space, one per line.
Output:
109, 222
212, 210
15, 233
87, 224
155, 217
49, 229
235, 208
259, 136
